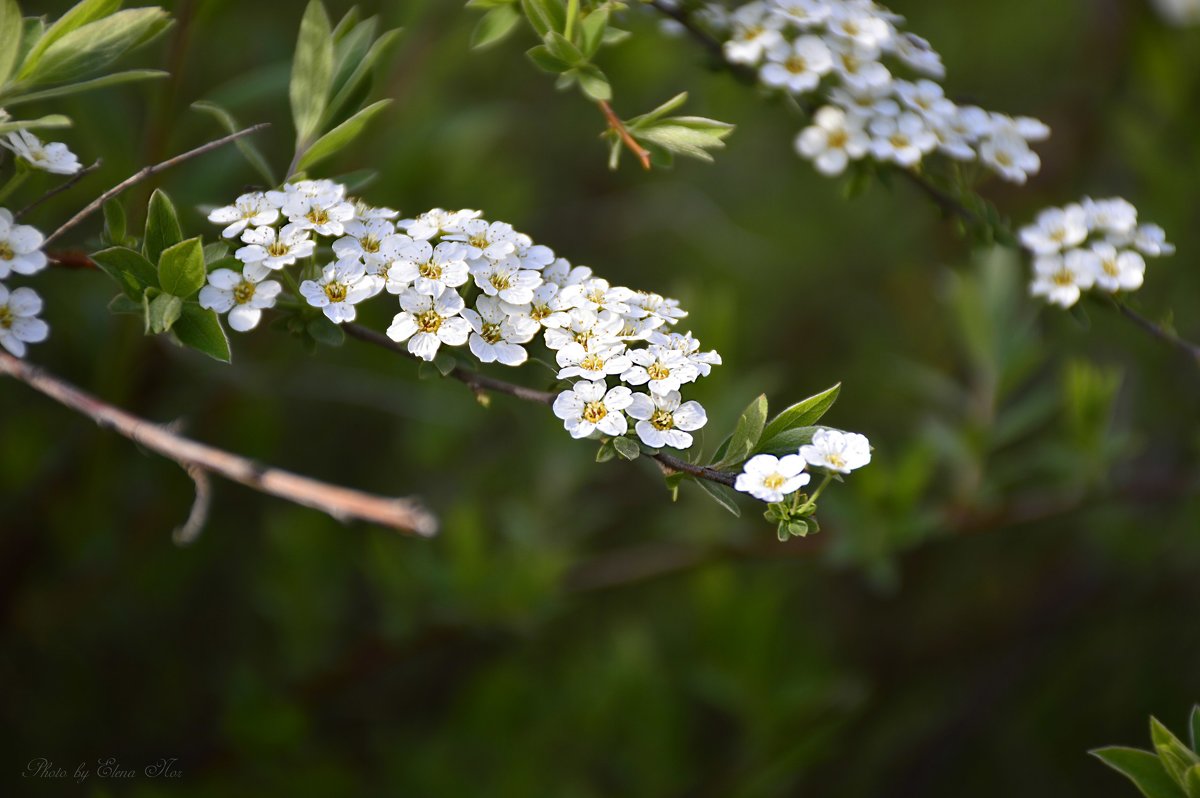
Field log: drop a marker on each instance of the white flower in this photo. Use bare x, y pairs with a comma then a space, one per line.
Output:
1151, 240
373, 240
1114, 216
1056, 229
1009, 155
251, 209
325, 213
268, 250
644, 304
833, 141
365, 213
329, 192
53, 157
20, 247
533, 256
1117, 270
343, 285
797, 66
495, 241
769, 478
19, 324
551, 305
838, 451
917, 53
244, 298
660, 369
1060, 279
497, 334
428, 321
903, 140
435, 222
689, 346
663, 421
593, 360
858, 67
803, 14
753, 33
506, 279
597, 295
561, 273
926, 98
586, 407
865, 29
583, 326
428, 267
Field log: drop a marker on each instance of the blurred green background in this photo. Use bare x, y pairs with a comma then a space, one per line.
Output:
1011, 582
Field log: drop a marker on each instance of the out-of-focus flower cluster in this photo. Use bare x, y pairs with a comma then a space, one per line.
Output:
879, 84
1090, 244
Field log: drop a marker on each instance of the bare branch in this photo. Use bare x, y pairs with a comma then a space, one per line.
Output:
60, 188
142, 174
198, 517
618, 127
344, 504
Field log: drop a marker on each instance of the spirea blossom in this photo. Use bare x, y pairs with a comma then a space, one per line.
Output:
54, 157
838, 451
770, 478
20, 247
1092, 244
19, 322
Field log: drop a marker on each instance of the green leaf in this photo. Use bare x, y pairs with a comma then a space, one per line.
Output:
606, 452
115, 228
162, 226
658, 113
494, 26
342, 97
161, 312
1176, 757
94, 46
593, 82
544, 60
788, 441
249, 151
45, 122
115, 79
217, 253
721, 495
80, 14
312, 71
11, 25
350, 48
797, 528
124, 306
1191, 782
691, 136
562, 49
444, 362
746, 433
1194, 728
201, 330
181, 268
129, 269
591, 31
804, 413
338, 138
1142, 768
545, 15
324, 331
626, 448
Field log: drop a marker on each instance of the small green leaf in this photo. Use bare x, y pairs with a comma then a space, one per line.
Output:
606, 452
544, 60
798, 528
216, 252
94, 46
561, 48
246, 147
788, 441
325, 332
721, 495
80, 14
1176, 757
181, 268
591, 31
1142, 768
687, 135
357, 80
1191, 782
350, 47
50, 121
658, 113
445, 363
161, 312
11, 25
494, 26
312, 71
338, 138
201, 330
124, 306
129, 269
114, 222
115, 79
593, 82
162, 226
804, 413
545, 15
746, 433
626, 448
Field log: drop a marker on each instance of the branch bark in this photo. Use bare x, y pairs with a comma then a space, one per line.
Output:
60, 188
344, 504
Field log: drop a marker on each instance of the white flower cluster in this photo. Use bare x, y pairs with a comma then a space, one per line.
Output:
20, 253
770, 478
850, 51
460, 279
1090, 244
53, 157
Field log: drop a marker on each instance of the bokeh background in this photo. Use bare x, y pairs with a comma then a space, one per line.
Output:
1012, 582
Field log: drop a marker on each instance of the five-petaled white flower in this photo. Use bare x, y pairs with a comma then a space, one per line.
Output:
343, 284
430, 320
663, 421
54, 157
1117, 270
838, 451
325, 213
497, 334
1056, 229
1060, 279
242, 297
1009, 155
797, 66
268, 250
375, 240
770, 478
20, 247
428, 267
833, 140
494, 241
593, 360
435, 222
586, 407
903, 139
660, 369
506, 279
248, 210
19, 324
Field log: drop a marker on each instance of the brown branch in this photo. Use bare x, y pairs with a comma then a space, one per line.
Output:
1187, 347
341, 503
60, 188
142, 174
481, 384
616, 125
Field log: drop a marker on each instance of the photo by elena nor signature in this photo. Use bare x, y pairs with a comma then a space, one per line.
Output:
107, 767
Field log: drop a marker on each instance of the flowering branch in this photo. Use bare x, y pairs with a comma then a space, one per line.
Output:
146, 172
344, 504
60, 188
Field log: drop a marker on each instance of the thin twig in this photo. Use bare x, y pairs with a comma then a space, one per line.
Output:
481, 383
142, 174
341, 503
60, 188
1187, 347
617, 126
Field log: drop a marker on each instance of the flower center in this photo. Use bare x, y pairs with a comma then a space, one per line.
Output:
596, 295
501, 282
336, 292
317, 216
662, 420
539, 312
583, 336
249, 212
796, 65
838, 139
1064, 277
245, 292
592, 362
6, 317
277, 249
478, 241
6, 251
490, 333
370, 244
834, 459
1003, 158
430, 270
774, 481
429, 321
898, 140
658, 371
594, 411
1110, 267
